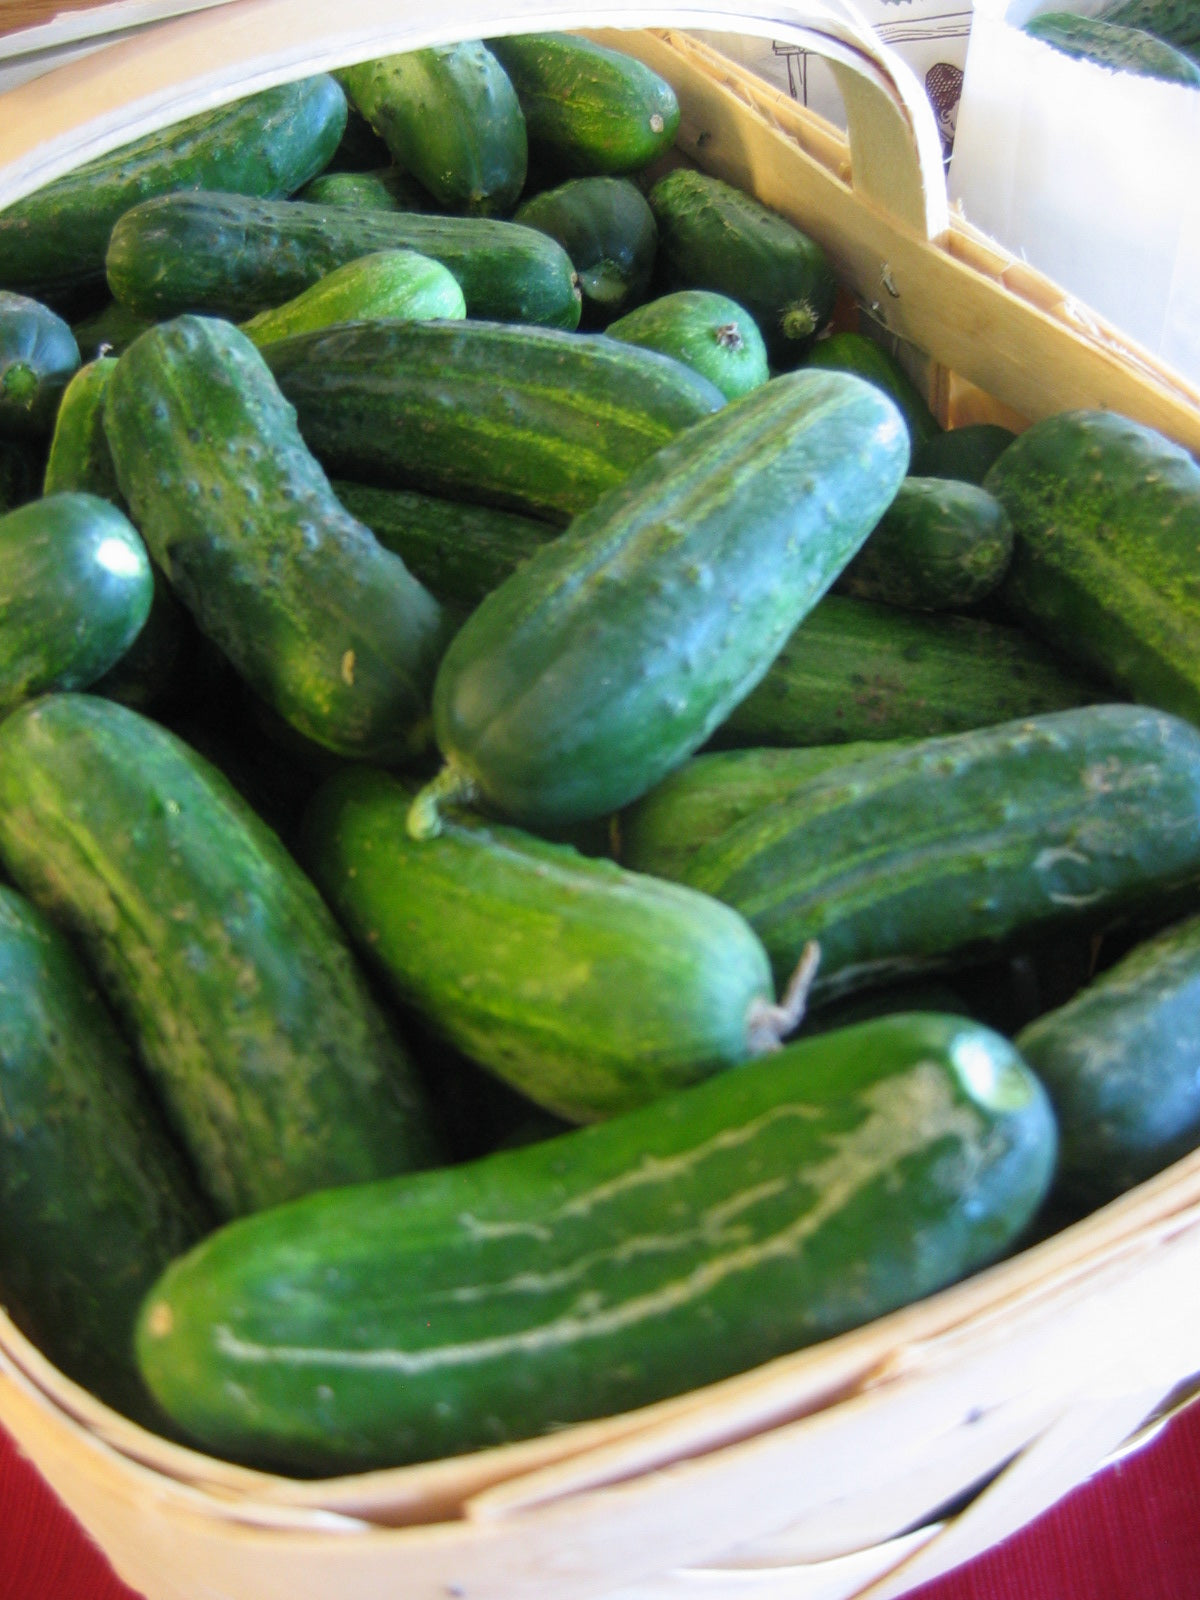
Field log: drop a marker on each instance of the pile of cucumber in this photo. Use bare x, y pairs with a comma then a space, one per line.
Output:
559, 837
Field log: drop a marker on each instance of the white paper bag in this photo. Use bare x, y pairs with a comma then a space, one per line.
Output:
1088, 174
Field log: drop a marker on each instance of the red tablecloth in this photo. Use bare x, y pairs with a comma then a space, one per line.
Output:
1132, 1533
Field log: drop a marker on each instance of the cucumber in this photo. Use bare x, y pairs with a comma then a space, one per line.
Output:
449, 116
322, 622
856, 669
607, 228
965, 452
1121, 1063
384, 189
847, 351
1106, 523
534, 419
804, 1194
588, 109
267, 144
1176, 21
459, 551
614, 652
710, 793
389, 283
1114, 45
38, 356
79, 457
107, 331
277, 1070
954, 848
94, 1198
77, 588
713, 236
235, 256
941, 545
705, 330
606, 990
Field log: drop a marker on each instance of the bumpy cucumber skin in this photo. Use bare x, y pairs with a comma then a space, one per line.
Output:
955, 847
327, 626
1121, 1063
615, 651
1176, 21
76, 586
38, 357
450, 116
96, 1199
390, 283
965, 453
533, 419
708, 331
856, 669
278, 1072
710, 793
588, 109
846, 351
714, 236
770, 1208
458, 550
269, 144
607, 228
1114, 45
1106, 523
235, 256
940, 546
590, 989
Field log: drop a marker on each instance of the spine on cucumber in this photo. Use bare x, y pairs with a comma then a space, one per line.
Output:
279, 1073
785, 1202
616, 650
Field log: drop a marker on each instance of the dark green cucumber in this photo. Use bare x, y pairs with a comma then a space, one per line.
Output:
79, 457
768, 1209
75, 591
94, 1198
324, 623
389, 283
859, 670
236, 256
614, 652
710, 793
1121, 1063
953, 848
846, 351
38, 356
458, 550
714, 236
1176, 21
450, 116
705, 330
384, 189
588, 108
268, 144
536, 419
605, 988
965, 452
607, 228
1113, 44
1106, 523
278, 1072
941, 545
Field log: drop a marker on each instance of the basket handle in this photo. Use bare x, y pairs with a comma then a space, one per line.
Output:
188, 63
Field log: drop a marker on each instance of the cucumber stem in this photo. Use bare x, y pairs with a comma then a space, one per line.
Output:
452, 786
767, 1024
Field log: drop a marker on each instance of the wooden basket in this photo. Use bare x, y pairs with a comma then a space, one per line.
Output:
877, 1460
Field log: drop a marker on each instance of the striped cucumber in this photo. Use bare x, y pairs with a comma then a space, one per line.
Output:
774, 1206
706, 330
278, 1072
389, 283
588, 988
614, 652
954, 848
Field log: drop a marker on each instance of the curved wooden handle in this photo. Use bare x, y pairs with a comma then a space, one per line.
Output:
185, 64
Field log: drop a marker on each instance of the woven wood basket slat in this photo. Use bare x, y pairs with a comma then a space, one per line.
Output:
826, 1474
